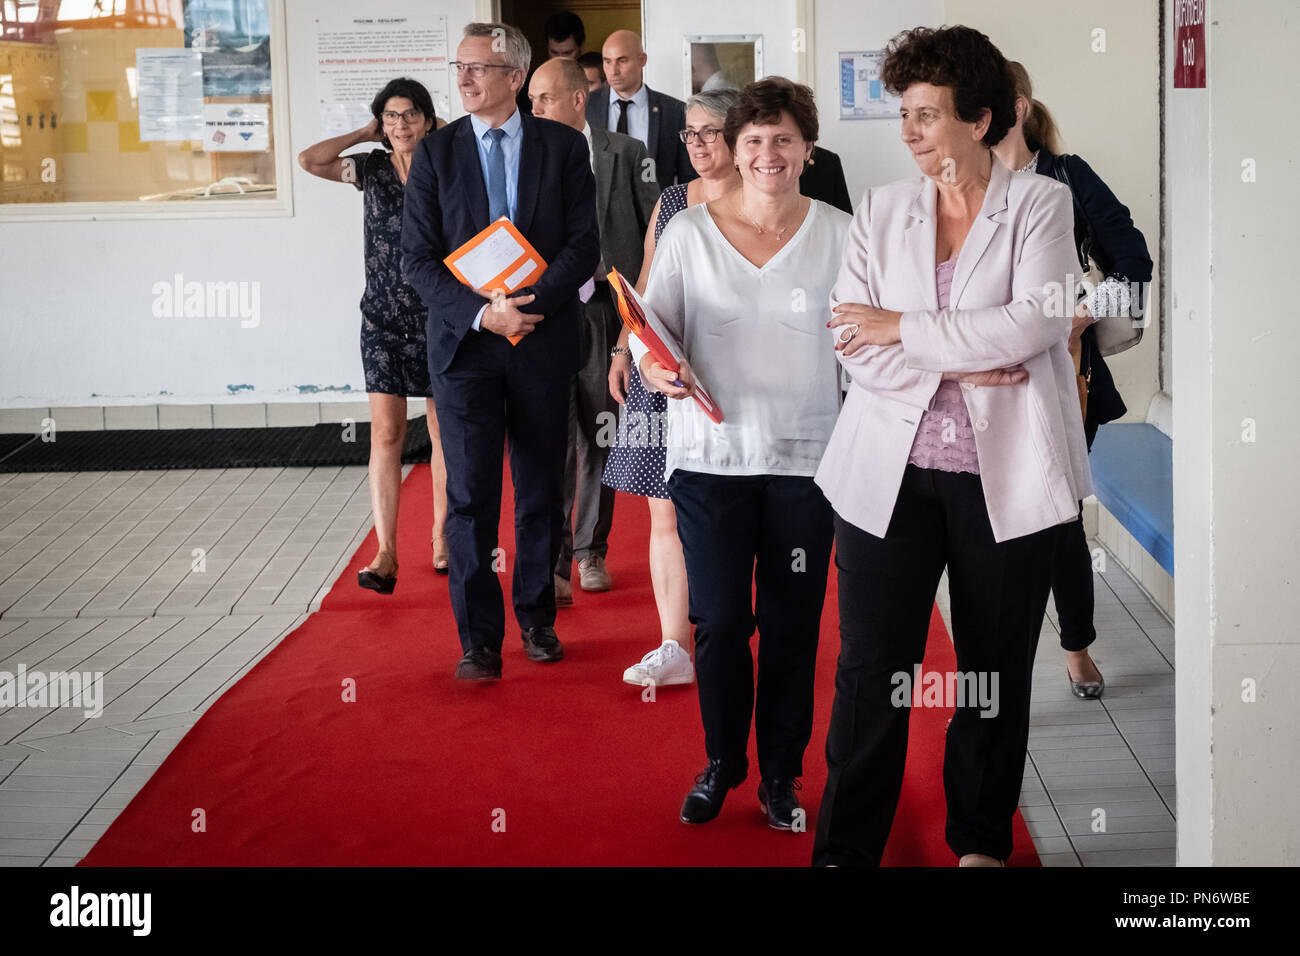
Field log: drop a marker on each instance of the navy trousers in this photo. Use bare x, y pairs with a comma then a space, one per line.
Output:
487, 399
757, 551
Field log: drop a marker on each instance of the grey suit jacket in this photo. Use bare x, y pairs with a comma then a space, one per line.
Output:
626, 193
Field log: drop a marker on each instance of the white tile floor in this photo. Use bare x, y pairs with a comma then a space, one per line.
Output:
175, 583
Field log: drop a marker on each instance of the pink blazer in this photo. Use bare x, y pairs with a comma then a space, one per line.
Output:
1007, 307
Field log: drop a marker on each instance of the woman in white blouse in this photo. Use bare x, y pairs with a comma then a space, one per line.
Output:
743, 282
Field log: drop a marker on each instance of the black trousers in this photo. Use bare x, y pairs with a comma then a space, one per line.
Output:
757, 551
1072, 577
490, 394
589, 504
886, 592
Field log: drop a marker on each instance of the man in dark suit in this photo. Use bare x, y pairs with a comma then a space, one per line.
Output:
628, 106
491, 163
625, 199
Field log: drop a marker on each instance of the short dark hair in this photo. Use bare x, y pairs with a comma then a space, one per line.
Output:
592, 59
564, 24
407, 89
763, 102
965, 61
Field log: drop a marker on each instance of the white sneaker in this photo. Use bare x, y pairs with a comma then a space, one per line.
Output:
666, 665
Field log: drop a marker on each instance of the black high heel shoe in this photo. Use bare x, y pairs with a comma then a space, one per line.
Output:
380, 584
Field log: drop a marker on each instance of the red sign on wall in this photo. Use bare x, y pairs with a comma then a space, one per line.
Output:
1189, 44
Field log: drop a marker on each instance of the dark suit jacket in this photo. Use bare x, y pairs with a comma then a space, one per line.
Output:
625, 199
824, 179
667, 120
1120, 250
446, 204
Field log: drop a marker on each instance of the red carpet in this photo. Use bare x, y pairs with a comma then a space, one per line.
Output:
567, 760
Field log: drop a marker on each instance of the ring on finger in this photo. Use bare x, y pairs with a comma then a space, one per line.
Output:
852, 330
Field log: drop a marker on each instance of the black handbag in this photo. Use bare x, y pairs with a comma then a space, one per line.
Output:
1114, 333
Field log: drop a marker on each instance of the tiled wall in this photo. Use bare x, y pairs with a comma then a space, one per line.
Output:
1154, 579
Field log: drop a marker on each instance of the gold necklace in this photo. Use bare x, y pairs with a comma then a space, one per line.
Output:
780, 233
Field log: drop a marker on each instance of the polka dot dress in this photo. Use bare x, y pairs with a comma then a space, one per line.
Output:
635, 465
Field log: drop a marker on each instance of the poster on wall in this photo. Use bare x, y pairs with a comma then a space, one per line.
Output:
169, 88
862, 94
236, 128
357, 55
721, 62
234, 39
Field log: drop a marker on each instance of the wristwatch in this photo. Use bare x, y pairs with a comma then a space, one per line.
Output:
620, 351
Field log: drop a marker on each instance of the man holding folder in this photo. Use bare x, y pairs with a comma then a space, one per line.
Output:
498, 162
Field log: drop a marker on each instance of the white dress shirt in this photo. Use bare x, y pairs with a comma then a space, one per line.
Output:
638, 114
756, 340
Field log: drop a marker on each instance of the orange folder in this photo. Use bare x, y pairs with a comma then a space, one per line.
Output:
498, 259
638, 318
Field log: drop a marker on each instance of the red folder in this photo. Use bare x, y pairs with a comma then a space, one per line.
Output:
638, 318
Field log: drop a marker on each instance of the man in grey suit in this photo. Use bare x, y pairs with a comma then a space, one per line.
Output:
628, 106
626, 193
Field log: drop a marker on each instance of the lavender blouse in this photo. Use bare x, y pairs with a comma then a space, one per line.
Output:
945, 441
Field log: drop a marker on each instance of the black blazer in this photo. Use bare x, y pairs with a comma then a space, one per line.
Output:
446, 204
663, 140
1121, 250
823, 179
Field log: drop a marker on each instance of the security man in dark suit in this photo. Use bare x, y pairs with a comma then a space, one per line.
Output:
630, 107
626, 193
491, 163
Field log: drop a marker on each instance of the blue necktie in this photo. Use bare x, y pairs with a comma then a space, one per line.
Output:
496, 184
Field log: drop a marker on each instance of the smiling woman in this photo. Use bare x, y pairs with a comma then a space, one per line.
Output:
741, 282
393, 350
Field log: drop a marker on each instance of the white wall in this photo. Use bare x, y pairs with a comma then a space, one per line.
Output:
667, 21
1232, 249
871, 150
77, 326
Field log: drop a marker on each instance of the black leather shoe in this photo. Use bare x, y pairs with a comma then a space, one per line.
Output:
541, 644
776, 797
482, 663
704, 802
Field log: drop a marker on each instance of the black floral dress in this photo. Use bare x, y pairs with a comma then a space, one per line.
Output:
393, 350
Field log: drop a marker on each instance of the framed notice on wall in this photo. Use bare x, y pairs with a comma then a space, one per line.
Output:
721, 62
862, 94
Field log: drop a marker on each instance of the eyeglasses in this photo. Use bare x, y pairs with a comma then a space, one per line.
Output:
410, 117
477, 70
707, 135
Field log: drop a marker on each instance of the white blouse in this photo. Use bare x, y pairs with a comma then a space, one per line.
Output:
755, 338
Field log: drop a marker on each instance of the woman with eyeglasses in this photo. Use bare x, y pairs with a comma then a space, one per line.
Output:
393, 318
636, 462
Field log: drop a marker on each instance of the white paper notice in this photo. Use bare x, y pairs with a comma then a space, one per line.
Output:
169, 88
236, 128
357, 55
339, 118
491, 257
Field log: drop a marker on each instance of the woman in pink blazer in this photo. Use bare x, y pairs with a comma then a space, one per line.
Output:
960, 446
